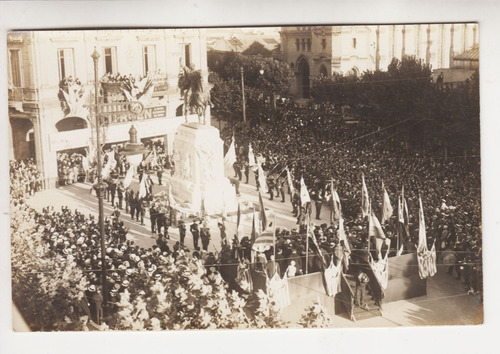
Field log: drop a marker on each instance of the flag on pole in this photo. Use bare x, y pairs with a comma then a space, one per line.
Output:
365, 199
290, 181
304, 193
230, 157
253, 235
128, 177
142, 188
262, 178
263, 217
426, 259
375, 230
171, 199
85, 163
337, 207
238, 222
251, 156
264, 241
386, 206
422, 236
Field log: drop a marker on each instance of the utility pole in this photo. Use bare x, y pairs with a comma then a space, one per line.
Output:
100, 185
243, 96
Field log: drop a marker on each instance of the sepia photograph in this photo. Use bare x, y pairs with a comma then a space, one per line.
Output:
245, 177
249, 176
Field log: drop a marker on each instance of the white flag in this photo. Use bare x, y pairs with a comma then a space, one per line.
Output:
142, 188
262, 178
365, 200
422, 236
386, 206
128, 177
251, 156
230, 157
304, 193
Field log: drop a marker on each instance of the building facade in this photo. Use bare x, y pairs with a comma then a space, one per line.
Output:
313, 51
51, 88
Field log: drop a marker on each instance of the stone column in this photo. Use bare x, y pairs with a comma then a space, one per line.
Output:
428, 50
452, 35
403, 44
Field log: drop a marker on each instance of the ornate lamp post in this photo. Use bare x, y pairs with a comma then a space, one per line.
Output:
133, 151
100, 187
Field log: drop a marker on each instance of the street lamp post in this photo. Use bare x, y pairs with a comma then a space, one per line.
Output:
243, 95
100, 187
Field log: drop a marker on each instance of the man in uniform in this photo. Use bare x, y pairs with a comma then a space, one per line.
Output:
195, 231
205, 237
270, 185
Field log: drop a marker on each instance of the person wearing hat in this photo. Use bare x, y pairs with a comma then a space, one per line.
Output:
182, 231
361, 281
97, 300
205, 237
222, 229
195, 231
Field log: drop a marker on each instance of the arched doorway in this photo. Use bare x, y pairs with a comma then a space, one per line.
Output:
303, 83
23, 138
323, 72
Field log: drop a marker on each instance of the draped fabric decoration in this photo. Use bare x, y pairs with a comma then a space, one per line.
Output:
277, 289
238, 223
426, 259
128, 177
381, 269
230, 157
365, 199
332, 278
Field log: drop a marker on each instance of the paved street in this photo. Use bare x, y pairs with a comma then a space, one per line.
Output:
446, 302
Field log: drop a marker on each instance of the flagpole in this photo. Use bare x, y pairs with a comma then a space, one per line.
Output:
307, 245
399, 228
274, 238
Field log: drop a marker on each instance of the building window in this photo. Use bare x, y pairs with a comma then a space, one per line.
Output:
149, 58
303, 45
15, 68
297, 43
110, 60
323, 43
354, 43
308, 44
66, 63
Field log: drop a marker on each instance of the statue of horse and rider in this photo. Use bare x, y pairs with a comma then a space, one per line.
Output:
196, 95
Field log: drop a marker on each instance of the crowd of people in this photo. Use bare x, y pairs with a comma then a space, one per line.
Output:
25, 179
324, 150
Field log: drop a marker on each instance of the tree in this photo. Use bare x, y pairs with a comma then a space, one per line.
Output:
264, 79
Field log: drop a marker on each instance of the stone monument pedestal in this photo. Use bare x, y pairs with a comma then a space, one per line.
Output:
199, 181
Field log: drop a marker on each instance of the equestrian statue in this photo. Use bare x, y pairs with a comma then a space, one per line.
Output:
195, 93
